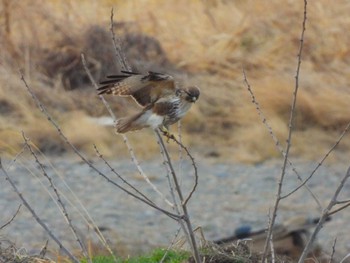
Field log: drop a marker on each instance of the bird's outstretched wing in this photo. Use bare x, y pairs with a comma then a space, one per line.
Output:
145, 89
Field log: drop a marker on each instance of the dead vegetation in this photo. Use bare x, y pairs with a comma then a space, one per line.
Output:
203, 43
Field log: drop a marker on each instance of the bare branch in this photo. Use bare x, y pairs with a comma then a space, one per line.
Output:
86, 216
59, 200
118, 47
289, 139
36, 217
183, 202
339, 209
343, 260
321, 162
194, 167
12, 218
343, 201
333, 250
170, 245
275, 139
180, 148
171, 188
119, 176
326, 213
93, 82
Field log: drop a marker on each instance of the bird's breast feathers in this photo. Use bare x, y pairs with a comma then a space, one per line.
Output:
151, 119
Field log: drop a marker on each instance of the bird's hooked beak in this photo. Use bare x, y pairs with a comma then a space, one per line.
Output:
193, 98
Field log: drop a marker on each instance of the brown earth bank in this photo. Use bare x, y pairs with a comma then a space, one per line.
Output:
199, 43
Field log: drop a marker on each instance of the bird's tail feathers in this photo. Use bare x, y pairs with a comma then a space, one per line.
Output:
131, 123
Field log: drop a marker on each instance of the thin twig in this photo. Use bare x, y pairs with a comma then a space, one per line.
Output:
183, 203
43, 250
36, 217
194, 187
99, 234
87, 217
93, 82
272, 248
275, 139
347, 128
119, 176
12, 218
170, 245
118, 47
344, 258
180, 148
171, 188
289, 139
324, 217
338, 209
333, 250
343, 201
59, 200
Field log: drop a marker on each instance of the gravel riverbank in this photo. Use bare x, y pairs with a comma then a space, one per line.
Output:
228, 195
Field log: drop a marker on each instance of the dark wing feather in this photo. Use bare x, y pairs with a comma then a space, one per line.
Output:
145, 89
164, 108
142, 96
107, 85
128, 74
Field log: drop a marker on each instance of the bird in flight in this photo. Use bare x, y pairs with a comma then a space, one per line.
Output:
162, 103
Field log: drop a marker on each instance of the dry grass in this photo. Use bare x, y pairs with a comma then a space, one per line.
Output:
208, 41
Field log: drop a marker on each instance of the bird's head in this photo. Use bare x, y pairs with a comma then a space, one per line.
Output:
191, 94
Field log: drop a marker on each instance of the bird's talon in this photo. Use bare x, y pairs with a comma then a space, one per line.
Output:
167, 134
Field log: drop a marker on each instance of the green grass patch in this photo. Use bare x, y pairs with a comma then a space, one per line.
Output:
154, 257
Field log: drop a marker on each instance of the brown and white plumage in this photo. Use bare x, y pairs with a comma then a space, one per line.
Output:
162, 102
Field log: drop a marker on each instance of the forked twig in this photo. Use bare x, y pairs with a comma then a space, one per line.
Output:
171, 187
171, 244
347, 128
36, 217
289, 138
85, 216
326, 213
119, 176
12, 218
118, 47
339, 209
277, 142
194, 187
59, 200
333, 250
186, 217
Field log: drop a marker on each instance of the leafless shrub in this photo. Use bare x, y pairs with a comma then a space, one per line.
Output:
181, 215
63, 61
325, 212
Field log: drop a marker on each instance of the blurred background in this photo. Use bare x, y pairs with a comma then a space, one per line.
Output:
205, 43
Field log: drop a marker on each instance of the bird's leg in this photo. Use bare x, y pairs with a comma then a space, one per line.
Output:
166, 133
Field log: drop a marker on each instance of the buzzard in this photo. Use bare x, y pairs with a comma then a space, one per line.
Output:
162, 102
